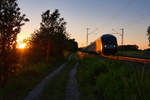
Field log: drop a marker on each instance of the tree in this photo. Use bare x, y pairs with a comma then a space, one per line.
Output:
72, 45
148, 34
11, 21
52, 33
128, 47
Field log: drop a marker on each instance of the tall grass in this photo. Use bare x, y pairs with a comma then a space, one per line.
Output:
139, 54
20, 83
55, 89
112, 80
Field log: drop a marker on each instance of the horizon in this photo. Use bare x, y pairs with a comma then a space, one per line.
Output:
106, 16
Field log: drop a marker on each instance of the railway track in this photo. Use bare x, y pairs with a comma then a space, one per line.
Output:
132, 59
139, 60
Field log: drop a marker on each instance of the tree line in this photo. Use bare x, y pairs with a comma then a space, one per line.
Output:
51, 39
128, 47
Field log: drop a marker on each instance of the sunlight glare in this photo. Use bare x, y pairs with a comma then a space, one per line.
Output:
22, 46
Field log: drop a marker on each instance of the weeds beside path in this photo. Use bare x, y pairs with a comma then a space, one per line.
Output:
23, 81
59, 84
57, 87
33, 95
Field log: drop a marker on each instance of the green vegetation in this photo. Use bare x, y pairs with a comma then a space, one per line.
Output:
139, 54
11, 21
19, 85
99, 77
128, 47
50, 40
56, 88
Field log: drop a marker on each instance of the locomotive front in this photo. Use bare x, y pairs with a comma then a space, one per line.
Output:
109, 44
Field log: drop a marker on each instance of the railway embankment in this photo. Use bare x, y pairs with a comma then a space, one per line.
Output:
134, 53
100, 78
92, 77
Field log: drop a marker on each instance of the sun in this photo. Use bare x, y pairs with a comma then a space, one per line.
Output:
22, 46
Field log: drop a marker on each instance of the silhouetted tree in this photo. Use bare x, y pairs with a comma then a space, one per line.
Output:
128, 47
11, 21
148, 34
72, 45
52, 34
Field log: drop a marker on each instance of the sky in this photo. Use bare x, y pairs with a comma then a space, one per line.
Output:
100, 16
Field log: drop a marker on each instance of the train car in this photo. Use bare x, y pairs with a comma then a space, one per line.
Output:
106, 44
90, 48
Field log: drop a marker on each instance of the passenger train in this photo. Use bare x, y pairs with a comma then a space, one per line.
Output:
106, 44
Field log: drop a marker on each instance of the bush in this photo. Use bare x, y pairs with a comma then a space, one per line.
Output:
112, 80
128, 47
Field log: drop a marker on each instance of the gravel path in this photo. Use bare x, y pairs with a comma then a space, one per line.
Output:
72, 92
33, 95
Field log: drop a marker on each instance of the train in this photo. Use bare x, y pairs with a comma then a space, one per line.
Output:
106, 45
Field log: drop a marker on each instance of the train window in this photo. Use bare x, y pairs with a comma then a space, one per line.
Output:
109, 40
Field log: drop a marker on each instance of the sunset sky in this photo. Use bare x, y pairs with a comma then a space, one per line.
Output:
103, 15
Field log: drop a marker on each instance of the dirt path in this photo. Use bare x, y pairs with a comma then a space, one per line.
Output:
33, 95
72, 92
71, 89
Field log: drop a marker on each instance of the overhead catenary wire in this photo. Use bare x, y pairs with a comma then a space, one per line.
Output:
115, 16
87, 34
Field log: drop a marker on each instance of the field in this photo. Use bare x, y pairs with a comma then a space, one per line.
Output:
98, 78
139, 54
106, 79
19, 85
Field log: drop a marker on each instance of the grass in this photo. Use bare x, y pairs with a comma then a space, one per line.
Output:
22, 82
139, 54
56, 88
108, 79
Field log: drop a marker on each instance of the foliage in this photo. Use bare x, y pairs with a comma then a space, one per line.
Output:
137, 53
52, 38
148, 34
11, 21
55, 89
22, 82
128, 47
107, 79
72, 45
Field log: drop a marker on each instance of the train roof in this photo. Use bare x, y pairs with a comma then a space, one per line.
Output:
107, 35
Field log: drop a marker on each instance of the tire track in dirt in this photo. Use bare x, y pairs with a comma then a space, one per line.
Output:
72, 92
33, 95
